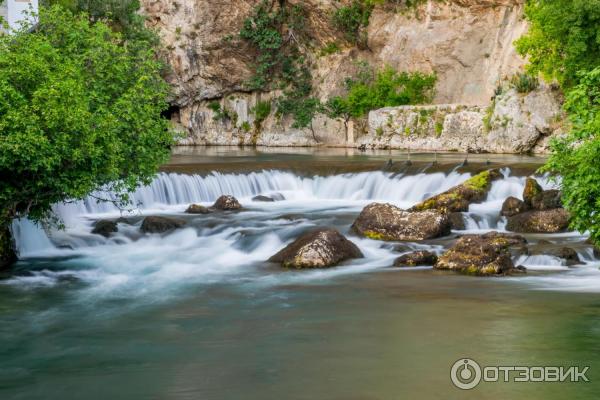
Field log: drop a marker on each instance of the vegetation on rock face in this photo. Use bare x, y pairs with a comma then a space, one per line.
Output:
276, 31
80, 111
386, 88
562, 44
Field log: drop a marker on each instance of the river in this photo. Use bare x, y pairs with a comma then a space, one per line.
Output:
199, 314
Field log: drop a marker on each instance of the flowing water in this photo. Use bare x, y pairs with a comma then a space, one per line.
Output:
199, 314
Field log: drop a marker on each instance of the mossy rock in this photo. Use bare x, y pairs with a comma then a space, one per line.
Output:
532, 189
416, 259
387, 222
321, 248
105, 227
549, 221
483, 255
458, 198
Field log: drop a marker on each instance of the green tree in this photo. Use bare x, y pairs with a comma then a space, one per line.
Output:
563, 38
575, 156
80, 111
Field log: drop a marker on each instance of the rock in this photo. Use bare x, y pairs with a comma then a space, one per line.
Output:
197, 209
513, 206
415, 259
457, 221
317, 249
549, 221
567, 254
7, 252
532, 189
547, 200
596, 252
227, 203
387, 222
262, 198
155, 224
484, 255
460, 197
105, 227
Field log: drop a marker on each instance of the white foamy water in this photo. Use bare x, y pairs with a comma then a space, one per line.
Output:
232, 247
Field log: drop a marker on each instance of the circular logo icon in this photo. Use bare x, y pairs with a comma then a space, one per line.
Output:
465, 374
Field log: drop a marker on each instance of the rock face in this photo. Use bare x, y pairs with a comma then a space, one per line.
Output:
156, 224
105, 227
469, 44
458, 198
513, 206
416, 259
318, 249
550, 221
388, 222
197, 209
7, 253
484, 255
227, 203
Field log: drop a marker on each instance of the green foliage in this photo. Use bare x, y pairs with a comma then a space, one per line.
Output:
246, 126
121, 15
387, 88
352, 20
575, 156
524, 83
563, 38
280, 62
329, 49
261, 111
80, 111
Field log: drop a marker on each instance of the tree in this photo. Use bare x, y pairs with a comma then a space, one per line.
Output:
80, 111
563, 38
575, 156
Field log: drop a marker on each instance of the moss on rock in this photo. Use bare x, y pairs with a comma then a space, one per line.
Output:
458, 198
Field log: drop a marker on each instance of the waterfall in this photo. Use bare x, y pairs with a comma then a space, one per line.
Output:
172, 193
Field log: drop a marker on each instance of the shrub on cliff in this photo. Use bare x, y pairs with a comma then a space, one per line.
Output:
386, 88
80, 110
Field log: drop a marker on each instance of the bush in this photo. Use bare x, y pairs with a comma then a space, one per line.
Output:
575, 156
387, 88
351, 20
80, 111
524, 83
261, 111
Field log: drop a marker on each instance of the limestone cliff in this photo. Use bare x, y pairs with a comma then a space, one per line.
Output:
467, 43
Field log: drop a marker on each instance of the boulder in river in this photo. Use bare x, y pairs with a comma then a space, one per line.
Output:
321, 248
547, 200
227, 203
416, 259
457, 221
532, 189
460, 197
387, 222
548, 221
566, 253
156, 224
105, 227
513, 206
484, 255
197, 209
264, 199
